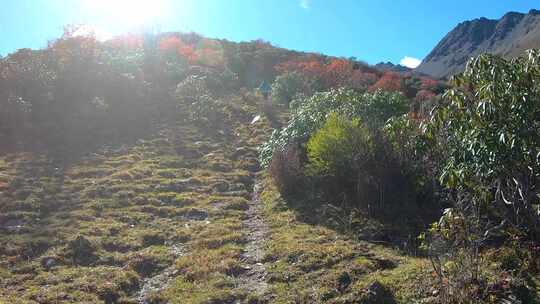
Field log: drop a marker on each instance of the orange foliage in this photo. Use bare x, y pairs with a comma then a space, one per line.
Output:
170, 43
310, 68
360, 79
188, 52
390, 81
337, 72
210, 53
175, 45
128, 42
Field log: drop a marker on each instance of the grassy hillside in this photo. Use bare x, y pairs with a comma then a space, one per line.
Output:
164, 219
152, 169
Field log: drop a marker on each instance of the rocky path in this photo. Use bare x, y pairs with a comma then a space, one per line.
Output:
161, 280
253, 280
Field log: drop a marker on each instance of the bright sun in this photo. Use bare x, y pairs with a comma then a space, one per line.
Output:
125, 14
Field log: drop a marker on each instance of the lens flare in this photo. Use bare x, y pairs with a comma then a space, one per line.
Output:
127, 14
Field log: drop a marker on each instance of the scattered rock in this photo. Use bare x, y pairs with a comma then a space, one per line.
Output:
196, 215
49, 262
255, 119
254, 278
149, 293
221, 186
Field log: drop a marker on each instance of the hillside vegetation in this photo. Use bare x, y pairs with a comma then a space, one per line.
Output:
151, 169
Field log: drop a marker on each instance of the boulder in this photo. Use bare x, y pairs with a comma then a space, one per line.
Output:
48, 262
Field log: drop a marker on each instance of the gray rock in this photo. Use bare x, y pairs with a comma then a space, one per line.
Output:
48, 262
221, 186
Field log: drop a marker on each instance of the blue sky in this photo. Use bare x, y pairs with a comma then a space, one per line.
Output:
370, 30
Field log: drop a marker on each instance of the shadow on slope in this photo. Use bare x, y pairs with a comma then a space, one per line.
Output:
397, 223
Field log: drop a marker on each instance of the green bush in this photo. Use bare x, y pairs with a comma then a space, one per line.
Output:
192, 90
486, 133
489, 126
286, 87
197, 103
340, 148
310, 113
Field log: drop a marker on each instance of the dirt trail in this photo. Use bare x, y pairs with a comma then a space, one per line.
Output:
254, 278
161, 280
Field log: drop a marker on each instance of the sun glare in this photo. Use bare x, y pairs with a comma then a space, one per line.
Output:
127, 14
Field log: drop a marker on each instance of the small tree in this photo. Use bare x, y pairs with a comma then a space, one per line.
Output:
491, 126
488, 130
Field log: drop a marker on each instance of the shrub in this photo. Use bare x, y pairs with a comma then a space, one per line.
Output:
350, 159
81, 251
286, 169
197, 104
70, 95
415, 156
486, 129
489, 124
310, 113
286, 87
191, 90
341, 147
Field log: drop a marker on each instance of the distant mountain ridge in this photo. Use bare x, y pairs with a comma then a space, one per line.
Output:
389, 66
509, 36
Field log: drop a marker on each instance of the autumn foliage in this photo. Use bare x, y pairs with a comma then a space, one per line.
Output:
178, 47
331, 73
390, 81
79, 87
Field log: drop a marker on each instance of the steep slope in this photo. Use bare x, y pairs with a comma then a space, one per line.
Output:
172, 219
509, 36
150, 198
122, 224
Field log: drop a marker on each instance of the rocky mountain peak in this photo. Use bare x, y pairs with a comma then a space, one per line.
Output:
510, 35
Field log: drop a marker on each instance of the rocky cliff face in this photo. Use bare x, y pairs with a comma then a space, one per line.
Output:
510, 36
